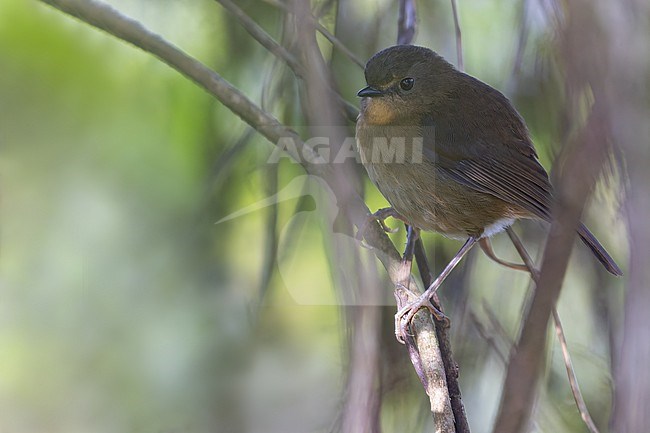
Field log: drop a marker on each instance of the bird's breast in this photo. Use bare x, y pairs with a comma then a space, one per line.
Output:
423, 193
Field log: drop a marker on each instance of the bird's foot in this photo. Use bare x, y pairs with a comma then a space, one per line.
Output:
405, 315
380, 216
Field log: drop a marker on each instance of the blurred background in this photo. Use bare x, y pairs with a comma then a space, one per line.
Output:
125, 307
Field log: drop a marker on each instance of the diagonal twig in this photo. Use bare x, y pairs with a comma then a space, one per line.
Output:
113, 22
271, 235
571, 373
260, 35
336, 42
559, 330
488, 337
221, 165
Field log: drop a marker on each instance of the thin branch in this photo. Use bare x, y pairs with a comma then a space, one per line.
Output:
113, 22
221, 165
496, 324
573, 380
220, 169
402, 298
559, 330
523, 253
459, 36
336, 42
530, 267
261, 36
444, 342
271, 229
425, 348
407, 22
488, 337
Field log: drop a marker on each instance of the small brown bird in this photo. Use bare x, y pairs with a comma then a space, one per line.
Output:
450, 154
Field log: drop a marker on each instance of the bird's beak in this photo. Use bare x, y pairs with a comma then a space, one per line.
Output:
370, 92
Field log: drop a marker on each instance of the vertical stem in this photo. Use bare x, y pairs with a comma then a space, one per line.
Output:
444, 342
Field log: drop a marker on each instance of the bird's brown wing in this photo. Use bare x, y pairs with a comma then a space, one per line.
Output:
480, 141
504, 165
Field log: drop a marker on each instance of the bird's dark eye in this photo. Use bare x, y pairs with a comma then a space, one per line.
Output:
406, 83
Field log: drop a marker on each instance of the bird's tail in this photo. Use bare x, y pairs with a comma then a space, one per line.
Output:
603, 257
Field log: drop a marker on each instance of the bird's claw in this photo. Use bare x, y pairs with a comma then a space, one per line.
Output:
380, 216
405, 315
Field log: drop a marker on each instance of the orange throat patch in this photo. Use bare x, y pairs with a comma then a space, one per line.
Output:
378, 112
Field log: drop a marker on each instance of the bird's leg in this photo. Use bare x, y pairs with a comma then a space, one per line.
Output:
405, 315
380, 216
528, 261
412, 235
529, 268
427, 279
486, 246
404, 274
412, 238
